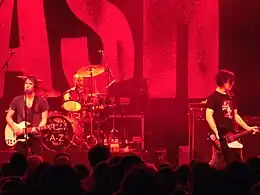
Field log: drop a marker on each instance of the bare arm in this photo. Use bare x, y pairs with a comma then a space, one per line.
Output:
211, 121
44, 118
240, 121
9, 119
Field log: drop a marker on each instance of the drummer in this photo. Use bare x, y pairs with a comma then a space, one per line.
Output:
75, 96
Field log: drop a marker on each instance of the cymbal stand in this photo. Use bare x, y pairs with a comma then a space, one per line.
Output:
92, 108
107, 69
109, 83
91, 136
113, 130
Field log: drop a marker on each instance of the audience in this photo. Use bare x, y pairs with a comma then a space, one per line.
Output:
124, 175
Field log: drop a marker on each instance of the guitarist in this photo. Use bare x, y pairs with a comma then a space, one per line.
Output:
222, 117
37, 114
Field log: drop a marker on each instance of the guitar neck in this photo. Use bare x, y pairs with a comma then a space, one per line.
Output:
242, 134
41, 128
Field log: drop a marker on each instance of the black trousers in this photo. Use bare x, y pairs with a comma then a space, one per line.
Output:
33, 145
228, 155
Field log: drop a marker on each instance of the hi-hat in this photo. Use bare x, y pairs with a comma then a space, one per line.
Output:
91, 70
26, 77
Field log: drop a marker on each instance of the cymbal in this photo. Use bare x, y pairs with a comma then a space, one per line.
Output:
25, 77
98, 94
95, 70
48, 92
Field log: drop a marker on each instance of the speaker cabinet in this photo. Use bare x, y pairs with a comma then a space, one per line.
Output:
200, 147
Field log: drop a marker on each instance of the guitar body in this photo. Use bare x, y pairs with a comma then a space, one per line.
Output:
228, 141
232, 141
10, 137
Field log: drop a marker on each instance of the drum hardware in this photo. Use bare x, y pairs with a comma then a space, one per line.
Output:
113, 130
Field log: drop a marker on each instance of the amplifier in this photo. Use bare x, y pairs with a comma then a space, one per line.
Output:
199, 147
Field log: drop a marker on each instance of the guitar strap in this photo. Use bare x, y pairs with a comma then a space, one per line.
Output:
231, 98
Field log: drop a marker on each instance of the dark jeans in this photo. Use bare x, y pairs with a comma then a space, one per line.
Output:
228, 155
33, 143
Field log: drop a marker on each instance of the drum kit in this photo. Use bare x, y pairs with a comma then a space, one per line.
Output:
82, 115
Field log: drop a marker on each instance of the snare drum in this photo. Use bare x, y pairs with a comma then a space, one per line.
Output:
59, 139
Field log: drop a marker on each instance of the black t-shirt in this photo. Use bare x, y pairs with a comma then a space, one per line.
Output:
34, 114
223, 106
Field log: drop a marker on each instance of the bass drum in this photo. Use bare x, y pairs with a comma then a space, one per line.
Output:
60, 139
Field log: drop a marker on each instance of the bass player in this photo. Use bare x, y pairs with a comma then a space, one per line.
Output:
222, 117
37, 114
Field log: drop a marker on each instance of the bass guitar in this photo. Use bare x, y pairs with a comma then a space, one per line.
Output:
230, 140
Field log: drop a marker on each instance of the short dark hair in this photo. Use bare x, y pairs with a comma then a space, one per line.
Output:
97, 154
34, 80
224, 76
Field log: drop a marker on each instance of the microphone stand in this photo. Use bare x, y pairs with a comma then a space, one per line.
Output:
5, 66
26, 118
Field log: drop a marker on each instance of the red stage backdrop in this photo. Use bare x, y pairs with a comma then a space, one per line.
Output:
160, 34
52, 39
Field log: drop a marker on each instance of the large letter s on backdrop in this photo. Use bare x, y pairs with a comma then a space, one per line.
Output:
111, 25
54, 42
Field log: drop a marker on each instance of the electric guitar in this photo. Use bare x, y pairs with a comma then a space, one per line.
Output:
11, 138
230, 140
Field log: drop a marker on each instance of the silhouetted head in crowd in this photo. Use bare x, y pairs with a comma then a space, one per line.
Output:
33, 162
97, 154
115, 160
61, 179
82, 171
140, 181
183, 174
5, 170
62, 159
18, 164
167, 178
101, 171
129, 161
12, 185
255, 189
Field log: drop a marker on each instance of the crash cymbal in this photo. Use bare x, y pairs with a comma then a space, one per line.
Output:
47, 92
95, 70
99, 94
